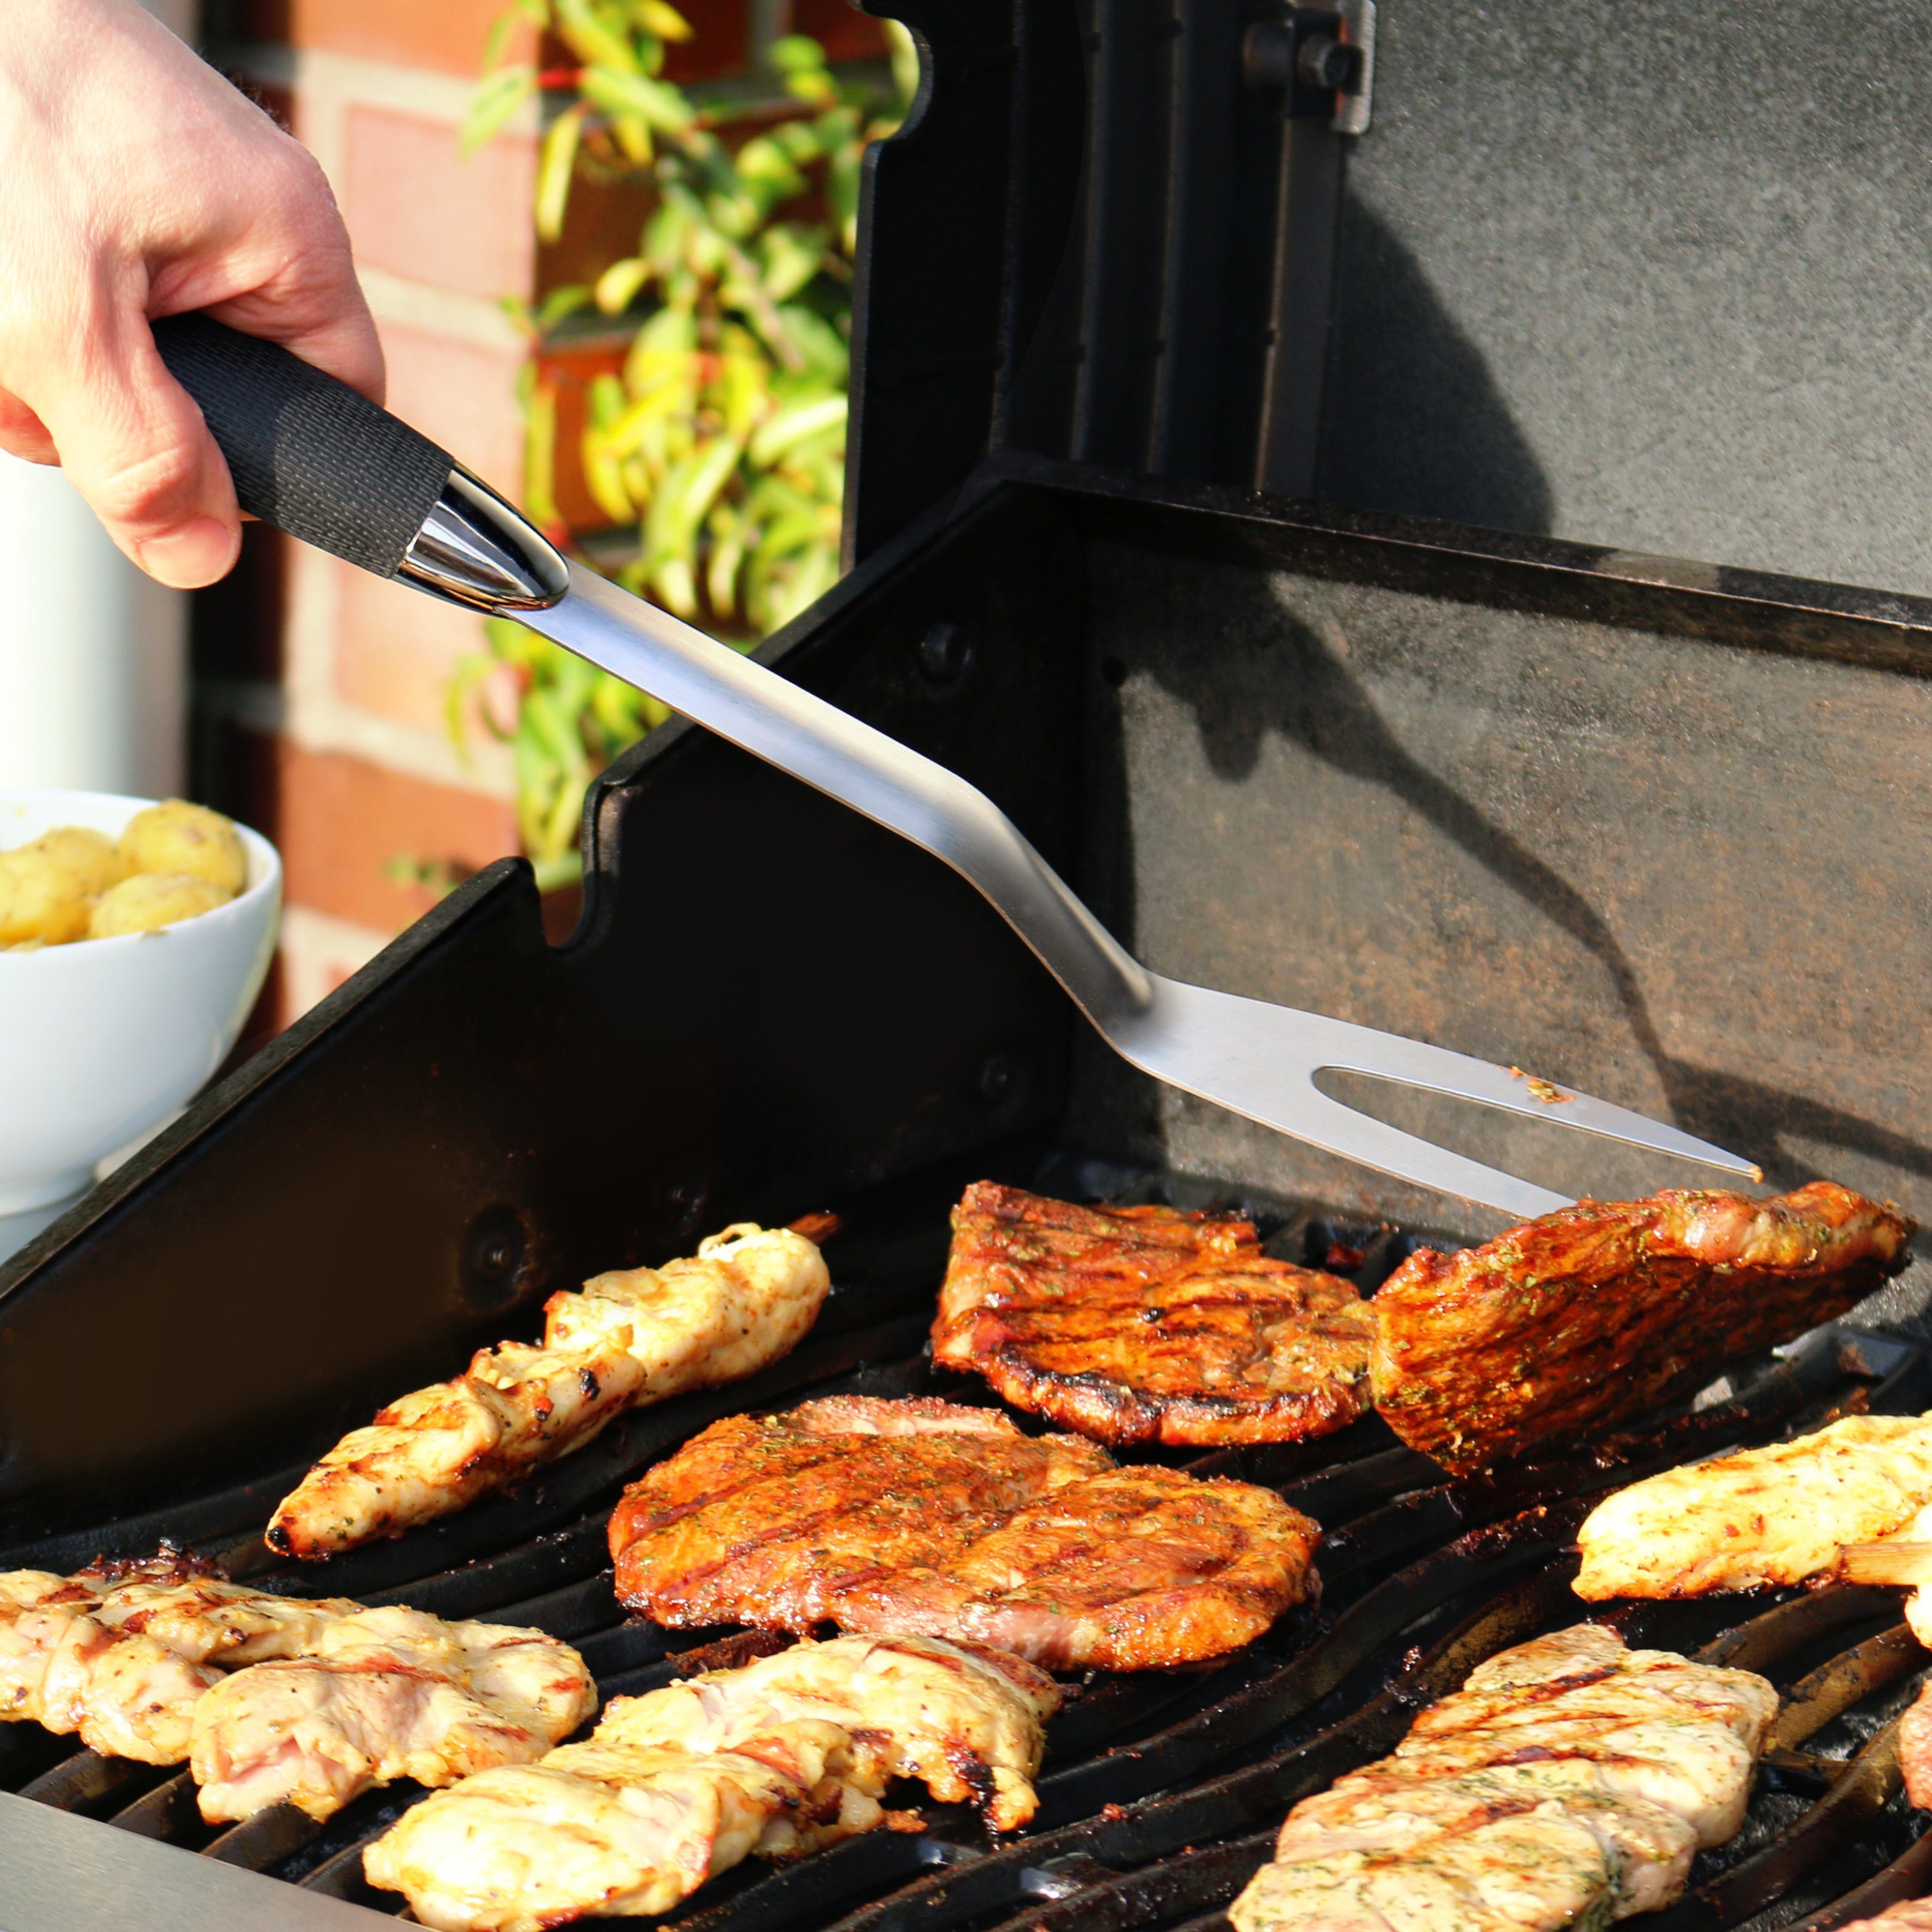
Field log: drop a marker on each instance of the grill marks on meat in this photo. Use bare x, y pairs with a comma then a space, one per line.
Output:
1606, 1309
781, 1756
1568, 1784
1772, 1516
1142, 1324
121, 1653
632, 1337
384, 1694
276, 1698
923, 1516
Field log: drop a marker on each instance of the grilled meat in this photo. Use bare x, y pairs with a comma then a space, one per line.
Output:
1915, 1749
923, 1517
387, 1694
1567, 1784
121, 1652
1604, 1310
1909, 1914
1776, 1515
600, 1830
632, 1337
781, 1756
1143, 1324
965, 1722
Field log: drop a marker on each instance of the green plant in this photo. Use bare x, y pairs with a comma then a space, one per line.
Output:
720, 442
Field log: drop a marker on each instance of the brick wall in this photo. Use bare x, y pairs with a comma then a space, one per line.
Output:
320, 691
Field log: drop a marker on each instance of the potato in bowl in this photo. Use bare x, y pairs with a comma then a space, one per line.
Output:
104, 1034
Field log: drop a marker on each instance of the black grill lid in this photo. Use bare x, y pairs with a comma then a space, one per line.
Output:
1643, 275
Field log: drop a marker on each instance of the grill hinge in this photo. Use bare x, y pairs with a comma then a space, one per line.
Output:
1322, 59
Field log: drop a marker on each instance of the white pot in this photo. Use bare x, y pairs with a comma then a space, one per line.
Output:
100, 1041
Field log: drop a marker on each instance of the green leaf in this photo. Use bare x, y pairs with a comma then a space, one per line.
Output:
667, 22
493, 105
556, 160
655, 102
593, 39
791, 425
617, 287
558, 303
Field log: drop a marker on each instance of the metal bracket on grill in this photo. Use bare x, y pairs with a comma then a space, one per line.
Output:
1322, 59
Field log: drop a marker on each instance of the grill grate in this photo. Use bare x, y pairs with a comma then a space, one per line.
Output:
1161, 1792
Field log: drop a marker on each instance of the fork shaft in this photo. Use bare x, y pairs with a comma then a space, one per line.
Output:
780, 722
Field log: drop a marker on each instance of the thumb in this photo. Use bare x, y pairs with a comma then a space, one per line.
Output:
133, 442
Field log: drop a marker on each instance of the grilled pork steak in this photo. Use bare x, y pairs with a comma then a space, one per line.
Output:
924, 1517
1143, 1324
1602, 1311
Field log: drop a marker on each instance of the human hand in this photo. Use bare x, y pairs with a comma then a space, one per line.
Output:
135, 182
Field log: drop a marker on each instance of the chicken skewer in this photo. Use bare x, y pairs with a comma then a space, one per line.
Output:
781, 1756
632, 1337
1570, 1782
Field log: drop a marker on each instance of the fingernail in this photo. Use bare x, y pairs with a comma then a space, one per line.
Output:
196, 552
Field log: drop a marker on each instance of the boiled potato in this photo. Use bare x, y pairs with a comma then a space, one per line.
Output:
147, 900
177, 837
47, 889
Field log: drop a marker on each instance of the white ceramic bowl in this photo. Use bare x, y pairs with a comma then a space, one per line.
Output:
101, 1040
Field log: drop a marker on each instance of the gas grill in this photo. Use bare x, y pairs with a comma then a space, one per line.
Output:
1651, 827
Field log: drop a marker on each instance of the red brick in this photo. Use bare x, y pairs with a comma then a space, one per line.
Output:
462, 395
720, 42
445, 36
418, 208
340, 822
396, 650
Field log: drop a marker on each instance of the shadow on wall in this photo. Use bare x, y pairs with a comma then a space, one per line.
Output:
1310, 698
1412, 420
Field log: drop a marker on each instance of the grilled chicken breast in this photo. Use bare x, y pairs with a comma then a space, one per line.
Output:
1605, 1309
784, 1755
1567, 1784
923, 1517
1909, 1914
121, 1652
965, 1722
1770, 1516
628, 1338
599, 1830
1145, 1324
386, 1693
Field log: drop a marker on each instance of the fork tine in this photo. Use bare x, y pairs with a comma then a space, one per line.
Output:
1356, 1136
1410, 1063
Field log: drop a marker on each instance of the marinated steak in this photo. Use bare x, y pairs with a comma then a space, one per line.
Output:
1605, 1309
923, 1517
1144, 1324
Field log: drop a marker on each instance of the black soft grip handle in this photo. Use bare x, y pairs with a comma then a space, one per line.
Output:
307, 453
